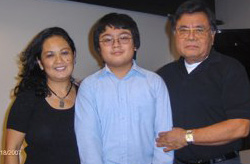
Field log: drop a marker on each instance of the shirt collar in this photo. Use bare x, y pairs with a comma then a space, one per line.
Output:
134, 69
213, 57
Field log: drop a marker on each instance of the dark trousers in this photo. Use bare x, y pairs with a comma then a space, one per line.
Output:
230, 161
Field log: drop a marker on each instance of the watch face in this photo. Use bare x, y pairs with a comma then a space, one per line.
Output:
189, 136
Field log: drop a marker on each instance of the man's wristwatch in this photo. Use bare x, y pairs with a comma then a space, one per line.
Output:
189, 137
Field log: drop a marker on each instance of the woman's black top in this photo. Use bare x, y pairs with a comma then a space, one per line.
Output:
50, 135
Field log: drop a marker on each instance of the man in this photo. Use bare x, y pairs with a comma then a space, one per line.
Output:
209, 93
121, 108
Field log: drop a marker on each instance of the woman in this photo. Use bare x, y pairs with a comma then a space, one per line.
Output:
43, 111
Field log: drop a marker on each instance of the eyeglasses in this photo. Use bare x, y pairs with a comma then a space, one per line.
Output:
199, 32
123, 39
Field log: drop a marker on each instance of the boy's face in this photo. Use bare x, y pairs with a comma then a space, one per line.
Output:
117, 47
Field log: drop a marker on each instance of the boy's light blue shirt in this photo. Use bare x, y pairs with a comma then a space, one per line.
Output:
117, 120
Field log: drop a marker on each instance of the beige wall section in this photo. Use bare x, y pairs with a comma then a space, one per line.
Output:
235, 15
20, 20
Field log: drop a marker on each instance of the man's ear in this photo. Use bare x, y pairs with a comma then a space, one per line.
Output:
40, 64
213, 36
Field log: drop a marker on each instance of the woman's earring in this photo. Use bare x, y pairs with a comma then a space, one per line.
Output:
40, 64
41, 67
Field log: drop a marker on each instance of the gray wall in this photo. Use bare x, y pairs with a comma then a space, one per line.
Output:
235, 15
20, 20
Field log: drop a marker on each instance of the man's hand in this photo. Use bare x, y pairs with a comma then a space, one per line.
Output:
172, 140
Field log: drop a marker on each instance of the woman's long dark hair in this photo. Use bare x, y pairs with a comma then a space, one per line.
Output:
32, 77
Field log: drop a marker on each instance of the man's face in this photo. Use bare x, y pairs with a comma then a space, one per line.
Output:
117, 47
193, 37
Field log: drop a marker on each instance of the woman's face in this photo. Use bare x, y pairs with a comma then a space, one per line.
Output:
57, 59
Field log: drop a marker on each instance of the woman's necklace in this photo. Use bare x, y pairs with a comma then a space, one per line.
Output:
61, 102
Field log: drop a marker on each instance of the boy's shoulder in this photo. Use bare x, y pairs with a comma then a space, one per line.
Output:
148, 73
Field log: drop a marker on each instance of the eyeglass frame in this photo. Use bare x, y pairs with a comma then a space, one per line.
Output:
194, 31
119, 39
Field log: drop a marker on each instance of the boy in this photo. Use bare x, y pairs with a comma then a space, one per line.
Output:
121, 108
